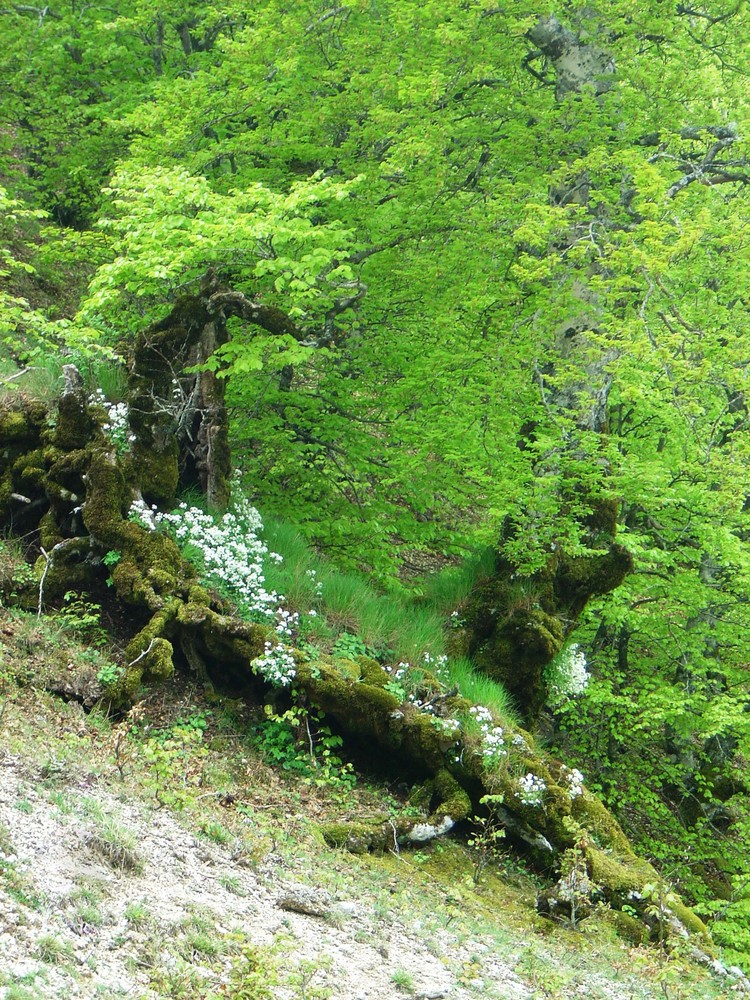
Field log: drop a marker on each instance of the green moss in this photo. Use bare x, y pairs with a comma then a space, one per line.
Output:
49, 531
157, 663
359, 837
371, 672
156, 471
29, 471
359, 708
629, 928
453, 800
619, 876
591, 813
21, 424
347, 668
192, 613
74, 423
422, 741
690, 920
199, 595
107, 500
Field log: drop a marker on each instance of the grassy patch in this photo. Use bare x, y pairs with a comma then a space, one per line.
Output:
117, 846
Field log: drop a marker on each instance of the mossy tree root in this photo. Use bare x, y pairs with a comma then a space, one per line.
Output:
78, 491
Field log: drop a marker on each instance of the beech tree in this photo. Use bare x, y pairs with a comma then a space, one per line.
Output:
461, 275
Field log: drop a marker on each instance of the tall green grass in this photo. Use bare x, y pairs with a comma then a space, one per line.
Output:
448, 589
407, 627
482, 690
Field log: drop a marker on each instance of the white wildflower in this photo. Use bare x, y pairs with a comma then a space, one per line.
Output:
568, 675
276, 665
531, 790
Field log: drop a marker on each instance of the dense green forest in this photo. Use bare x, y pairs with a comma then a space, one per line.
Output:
477, 278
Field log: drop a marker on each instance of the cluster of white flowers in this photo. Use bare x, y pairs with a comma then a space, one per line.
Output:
276, 665
493, 737
574, 780
423, 706
520, 742
569, 674
481, 714
116, 427
229, 548
437, 664
286, 621
531, 790
398, 673
142, 514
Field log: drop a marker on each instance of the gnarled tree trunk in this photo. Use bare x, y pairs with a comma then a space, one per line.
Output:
69, 483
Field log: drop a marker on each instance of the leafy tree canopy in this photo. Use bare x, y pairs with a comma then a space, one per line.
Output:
511, 243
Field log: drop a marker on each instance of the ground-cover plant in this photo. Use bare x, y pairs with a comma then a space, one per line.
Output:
302, 743
174, 758
117, 845
81, 617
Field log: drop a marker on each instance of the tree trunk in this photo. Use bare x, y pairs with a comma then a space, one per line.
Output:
517, 624
70, 484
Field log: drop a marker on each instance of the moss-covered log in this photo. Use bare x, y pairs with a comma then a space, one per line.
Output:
76, 491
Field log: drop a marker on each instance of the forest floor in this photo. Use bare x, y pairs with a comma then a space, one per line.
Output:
160, 856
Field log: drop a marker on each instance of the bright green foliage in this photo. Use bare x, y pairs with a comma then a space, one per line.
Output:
474, 264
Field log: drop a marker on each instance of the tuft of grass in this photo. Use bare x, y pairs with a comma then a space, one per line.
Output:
422, 632
482, 690
216, 832
41, 381
297, 576
403, 981
232, 884
107, 374
447, 590
20, 993
116, 845
53, 950
199, 938
344, 596
137, 913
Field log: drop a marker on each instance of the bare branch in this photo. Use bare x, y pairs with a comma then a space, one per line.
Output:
327, 15
233, 303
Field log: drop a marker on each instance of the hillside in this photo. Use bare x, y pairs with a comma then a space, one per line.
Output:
457, 295
230, 890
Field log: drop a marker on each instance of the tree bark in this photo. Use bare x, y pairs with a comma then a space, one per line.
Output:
516, 625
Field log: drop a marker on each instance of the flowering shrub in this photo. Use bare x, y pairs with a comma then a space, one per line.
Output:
531, 790
229, 550
568, 675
